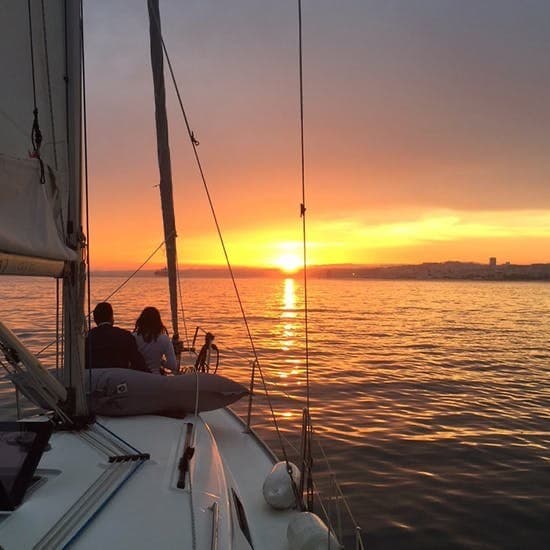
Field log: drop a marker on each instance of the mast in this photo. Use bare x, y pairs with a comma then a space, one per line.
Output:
75, 274
163, 150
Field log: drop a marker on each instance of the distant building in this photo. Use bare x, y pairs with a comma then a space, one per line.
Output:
492, 262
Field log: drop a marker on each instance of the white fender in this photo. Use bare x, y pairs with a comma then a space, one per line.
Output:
306, 531
277, 488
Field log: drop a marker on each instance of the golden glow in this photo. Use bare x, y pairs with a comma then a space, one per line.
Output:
288, 263
462, 178
402, 237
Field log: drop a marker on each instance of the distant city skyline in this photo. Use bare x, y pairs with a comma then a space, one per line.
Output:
427, 131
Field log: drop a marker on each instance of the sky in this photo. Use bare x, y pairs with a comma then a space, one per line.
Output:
427, 131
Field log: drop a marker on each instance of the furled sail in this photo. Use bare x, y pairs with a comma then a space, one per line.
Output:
40, 160
34, 178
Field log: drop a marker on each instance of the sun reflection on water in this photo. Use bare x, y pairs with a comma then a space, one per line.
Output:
289, 300
288, 312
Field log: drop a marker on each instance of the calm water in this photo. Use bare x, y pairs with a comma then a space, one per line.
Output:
431, 399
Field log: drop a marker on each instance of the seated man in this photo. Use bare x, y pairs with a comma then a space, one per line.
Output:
108, 346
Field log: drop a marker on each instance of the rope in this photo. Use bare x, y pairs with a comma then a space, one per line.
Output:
194, 145
52, 121
193, 527
303, 204
32, 54
181, 307
337, 485
196, 396
57, 336
62, 336
309, 488
36, 134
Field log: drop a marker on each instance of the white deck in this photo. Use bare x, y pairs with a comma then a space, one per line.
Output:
149, 511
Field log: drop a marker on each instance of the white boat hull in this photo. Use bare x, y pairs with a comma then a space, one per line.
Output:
85, 501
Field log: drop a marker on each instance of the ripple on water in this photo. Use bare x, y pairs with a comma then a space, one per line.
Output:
432, 398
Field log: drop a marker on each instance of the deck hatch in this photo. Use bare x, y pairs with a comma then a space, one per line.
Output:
21, 446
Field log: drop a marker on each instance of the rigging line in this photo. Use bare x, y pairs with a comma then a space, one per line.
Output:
181, 304
117, 289
52, 122
317, 488
333, 475
123, 284
194, 144
32, 53
192, 511
303, 204
62, 335
15, 125
307, 467
57, 306
36, 134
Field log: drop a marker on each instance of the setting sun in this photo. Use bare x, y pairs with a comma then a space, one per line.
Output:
289, 263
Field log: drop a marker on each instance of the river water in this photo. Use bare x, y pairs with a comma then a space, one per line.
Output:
430, 399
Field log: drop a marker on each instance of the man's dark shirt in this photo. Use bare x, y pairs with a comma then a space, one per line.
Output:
113, 347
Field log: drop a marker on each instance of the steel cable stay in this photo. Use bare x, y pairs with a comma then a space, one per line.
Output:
308, 425
359, 545
194, 145
116, 290
306, 478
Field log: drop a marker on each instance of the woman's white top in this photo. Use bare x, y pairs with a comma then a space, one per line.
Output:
157, 353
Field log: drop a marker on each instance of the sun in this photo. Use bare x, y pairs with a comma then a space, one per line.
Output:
288, 263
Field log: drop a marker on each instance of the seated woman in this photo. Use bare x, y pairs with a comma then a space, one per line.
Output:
153, 341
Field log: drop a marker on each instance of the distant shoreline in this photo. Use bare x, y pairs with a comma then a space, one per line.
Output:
451, 270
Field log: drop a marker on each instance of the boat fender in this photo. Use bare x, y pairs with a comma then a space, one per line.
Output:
306, 531
277, 488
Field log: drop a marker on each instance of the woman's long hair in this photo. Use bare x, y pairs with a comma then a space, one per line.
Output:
149, 324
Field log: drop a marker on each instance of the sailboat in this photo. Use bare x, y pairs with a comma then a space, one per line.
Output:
69, 478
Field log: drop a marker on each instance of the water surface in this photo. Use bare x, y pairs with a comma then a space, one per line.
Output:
431, 399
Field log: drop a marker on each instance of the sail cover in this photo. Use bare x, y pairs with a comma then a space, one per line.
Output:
33, 209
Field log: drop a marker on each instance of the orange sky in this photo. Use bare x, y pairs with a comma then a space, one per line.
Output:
427, 131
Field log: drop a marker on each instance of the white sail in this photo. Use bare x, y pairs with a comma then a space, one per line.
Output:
40, 179
33, 215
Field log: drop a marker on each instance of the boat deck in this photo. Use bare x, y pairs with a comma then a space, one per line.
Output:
88, 502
